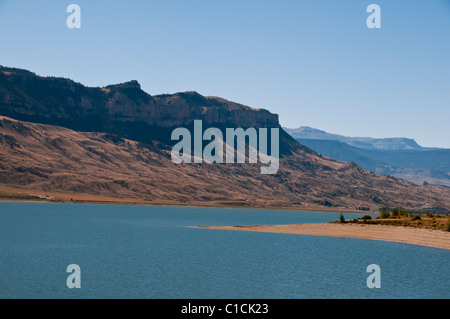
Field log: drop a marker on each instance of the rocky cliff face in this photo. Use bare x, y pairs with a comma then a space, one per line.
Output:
76, 155
59, 101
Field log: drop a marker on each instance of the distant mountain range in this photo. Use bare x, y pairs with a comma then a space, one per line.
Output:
61, 139
399, 157
369, 143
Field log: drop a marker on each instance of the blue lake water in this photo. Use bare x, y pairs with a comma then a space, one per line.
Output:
131, 251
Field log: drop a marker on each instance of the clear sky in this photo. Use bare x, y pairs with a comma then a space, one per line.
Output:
313, 62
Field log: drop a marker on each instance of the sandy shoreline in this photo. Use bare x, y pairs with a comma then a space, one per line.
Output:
410, 235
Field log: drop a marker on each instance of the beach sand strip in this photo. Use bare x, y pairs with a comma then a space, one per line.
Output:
410, 235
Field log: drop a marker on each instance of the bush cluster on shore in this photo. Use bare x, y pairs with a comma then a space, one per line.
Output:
402, 218
396, 212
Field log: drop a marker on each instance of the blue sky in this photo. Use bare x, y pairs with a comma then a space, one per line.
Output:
313, 62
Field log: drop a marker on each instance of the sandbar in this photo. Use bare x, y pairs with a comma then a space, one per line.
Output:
409, 235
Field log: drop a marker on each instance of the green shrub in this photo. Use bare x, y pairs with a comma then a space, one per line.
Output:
447, 226
416, 217
384, 213
325, 203
403, 212
395, 212
341, 218
365, 217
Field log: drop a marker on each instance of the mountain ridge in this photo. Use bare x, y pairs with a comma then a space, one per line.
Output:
57, 135
418, 166
127, 101
370, 143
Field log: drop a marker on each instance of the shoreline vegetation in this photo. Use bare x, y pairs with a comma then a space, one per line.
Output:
422, 221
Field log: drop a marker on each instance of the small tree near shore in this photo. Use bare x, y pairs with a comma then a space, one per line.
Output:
395, 212
384, 213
